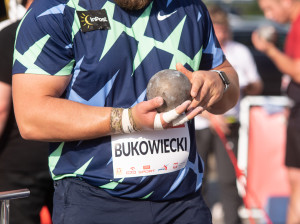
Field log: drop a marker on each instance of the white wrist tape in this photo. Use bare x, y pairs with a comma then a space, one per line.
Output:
126, 124
157, 122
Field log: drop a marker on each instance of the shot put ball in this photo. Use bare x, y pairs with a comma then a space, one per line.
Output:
268, 33
173, 86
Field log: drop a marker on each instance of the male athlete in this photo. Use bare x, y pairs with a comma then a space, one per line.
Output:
80, 73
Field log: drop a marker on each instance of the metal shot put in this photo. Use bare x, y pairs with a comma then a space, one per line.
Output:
173, 86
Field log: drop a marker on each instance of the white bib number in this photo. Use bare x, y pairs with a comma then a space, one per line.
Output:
150, 152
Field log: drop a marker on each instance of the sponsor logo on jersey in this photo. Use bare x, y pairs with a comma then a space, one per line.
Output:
93, 20
163, 17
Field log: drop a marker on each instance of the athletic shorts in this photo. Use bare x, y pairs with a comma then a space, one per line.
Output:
77, 202
292, 157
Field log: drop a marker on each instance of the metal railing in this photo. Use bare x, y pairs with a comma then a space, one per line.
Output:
5, 197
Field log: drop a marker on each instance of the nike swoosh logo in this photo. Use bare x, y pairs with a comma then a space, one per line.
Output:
161, 18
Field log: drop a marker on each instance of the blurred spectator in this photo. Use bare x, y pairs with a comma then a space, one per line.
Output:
288, 62
250, 84
23, 164
16, 10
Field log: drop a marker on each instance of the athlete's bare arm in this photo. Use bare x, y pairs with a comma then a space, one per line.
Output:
42, 115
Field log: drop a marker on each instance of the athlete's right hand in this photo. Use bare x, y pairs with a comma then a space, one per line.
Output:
144, 114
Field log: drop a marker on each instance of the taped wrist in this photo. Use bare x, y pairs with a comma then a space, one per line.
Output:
121, 121
128, 124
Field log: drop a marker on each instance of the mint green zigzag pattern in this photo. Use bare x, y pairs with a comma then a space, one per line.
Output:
54, 158
146, 44
147, 196
18, 32
76, 24
112, 184
28, 59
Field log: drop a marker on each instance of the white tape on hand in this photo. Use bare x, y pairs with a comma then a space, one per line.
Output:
170, 116
180, 120
157, 122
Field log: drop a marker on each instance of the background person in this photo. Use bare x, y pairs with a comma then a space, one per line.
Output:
85, 87
288, 62
250, 82
15, 9
23, 164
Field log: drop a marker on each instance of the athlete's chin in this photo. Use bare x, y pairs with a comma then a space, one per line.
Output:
132, 4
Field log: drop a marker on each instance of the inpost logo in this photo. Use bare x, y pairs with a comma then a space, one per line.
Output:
88, 21
96, 18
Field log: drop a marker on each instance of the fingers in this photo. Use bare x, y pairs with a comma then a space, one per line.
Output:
176, 116
184, 71
154, 103
200, 99
170, 116
183, 107
196, 83
203, 99
164, 120
183, 118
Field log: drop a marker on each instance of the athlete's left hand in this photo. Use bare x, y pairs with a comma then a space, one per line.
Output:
207, 87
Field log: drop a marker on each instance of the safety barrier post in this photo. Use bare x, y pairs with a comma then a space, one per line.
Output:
5, 197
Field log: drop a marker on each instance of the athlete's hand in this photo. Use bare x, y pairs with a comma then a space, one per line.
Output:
175, 117
144, 114
207, 87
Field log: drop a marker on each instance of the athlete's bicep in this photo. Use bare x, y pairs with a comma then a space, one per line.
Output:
31, 92
33, 85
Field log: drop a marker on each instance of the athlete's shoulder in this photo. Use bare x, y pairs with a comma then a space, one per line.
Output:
48, 15
40, 6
